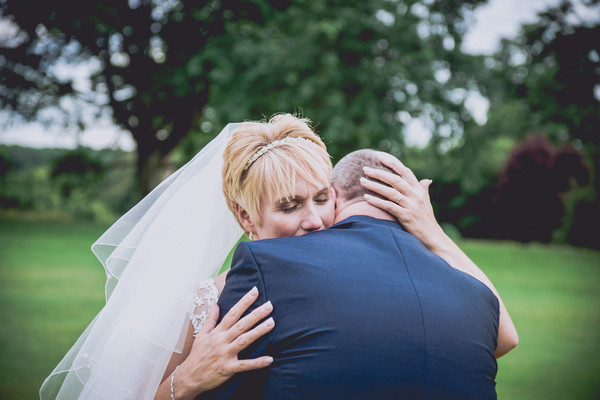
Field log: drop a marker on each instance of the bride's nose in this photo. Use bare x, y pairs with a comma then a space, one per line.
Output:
312, 220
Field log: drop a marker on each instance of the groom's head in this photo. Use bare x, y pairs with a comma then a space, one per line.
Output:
346, 175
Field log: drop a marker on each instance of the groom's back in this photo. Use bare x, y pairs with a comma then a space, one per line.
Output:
363, 311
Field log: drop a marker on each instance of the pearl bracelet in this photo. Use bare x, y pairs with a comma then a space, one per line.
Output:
172, 383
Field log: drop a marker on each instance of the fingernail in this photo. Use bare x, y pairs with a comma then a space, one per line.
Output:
268, 305
367, 169
254, 290
270, 322
268, 360
368, 197
363, 180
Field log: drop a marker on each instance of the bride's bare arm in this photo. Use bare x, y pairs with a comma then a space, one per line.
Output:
409, 202
211, 358
178, 358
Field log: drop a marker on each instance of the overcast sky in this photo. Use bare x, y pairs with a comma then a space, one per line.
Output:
497, 19
501, 18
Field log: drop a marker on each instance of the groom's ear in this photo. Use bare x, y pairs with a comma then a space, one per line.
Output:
333, 195
244, 218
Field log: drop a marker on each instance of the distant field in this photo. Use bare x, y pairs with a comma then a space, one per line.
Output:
51, 286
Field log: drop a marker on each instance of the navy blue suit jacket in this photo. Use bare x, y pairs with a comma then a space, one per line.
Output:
363, 311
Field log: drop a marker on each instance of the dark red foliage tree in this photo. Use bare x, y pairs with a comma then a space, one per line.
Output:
528, 205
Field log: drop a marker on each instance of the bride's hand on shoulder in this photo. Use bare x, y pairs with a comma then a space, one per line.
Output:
407, 199
213, 358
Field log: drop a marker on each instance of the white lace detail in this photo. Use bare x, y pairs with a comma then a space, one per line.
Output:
204, 294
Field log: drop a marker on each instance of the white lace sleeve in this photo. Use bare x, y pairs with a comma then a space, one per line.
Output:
206, 292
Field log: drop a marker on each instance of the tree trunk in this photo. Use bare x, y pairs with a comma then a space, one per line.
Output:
149, 169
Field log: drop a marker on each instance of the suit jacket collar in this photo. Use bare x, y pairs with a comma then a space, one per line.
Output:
366, 220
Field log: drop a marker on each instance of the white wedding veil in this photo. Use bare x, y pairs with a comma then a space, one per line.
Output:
178, 235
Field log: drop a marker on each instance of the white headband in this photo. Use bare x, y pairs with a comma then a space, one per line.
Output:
272, 145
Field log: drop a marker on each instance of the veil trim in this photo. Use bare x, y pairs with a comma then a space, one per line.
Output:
178, 235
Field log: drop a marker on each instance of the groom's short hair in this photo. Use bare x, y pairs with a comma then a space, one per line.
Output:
346, 174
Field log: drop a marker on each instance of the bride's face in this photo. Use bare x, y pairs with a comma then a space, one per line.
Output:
310, 209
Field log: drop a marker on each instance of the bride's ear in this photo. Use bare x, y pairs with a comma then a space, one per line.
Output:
244, 218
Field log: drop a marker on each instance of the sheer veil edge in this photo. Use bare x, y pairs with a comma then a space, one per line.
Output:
176, 236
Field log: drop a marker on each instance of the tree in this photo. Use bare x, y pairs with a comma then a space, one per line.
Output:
528, 201
163, 68
553, 70
360, 69
77, 169
129, 44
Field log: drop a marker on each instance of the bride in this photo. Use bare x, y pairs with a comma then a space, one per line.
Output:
157, 334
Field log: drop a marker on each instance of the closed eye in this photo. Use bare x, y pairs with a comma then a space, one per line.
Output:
322, 196
288, 206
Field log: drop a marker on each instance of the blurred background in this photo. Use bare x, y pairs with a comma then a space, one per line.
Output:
498, 102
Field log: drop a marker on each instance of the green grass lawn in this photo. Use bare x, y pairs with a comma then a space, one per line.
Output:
553, 296
51, 286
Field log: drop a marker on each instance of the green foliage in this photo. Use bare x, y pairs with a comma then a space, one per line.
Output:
83, 183
351, 67
543, 81
29, 189
76, 169
463, 178
577, 203
51, 286
360, 70
163, 68
553, 69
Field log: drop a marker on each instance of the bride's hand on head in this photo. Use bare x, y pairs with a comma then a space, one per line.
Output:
213, 358
407, 200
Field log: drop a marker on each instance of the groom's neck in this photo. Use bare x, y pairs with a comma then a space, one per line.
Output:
360, 208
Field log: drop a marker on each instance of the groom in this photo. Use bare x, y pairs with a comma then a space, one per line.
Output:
363, 311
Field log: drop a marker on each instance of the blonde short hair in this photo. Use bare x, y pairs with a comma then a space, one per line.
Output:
274, 173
